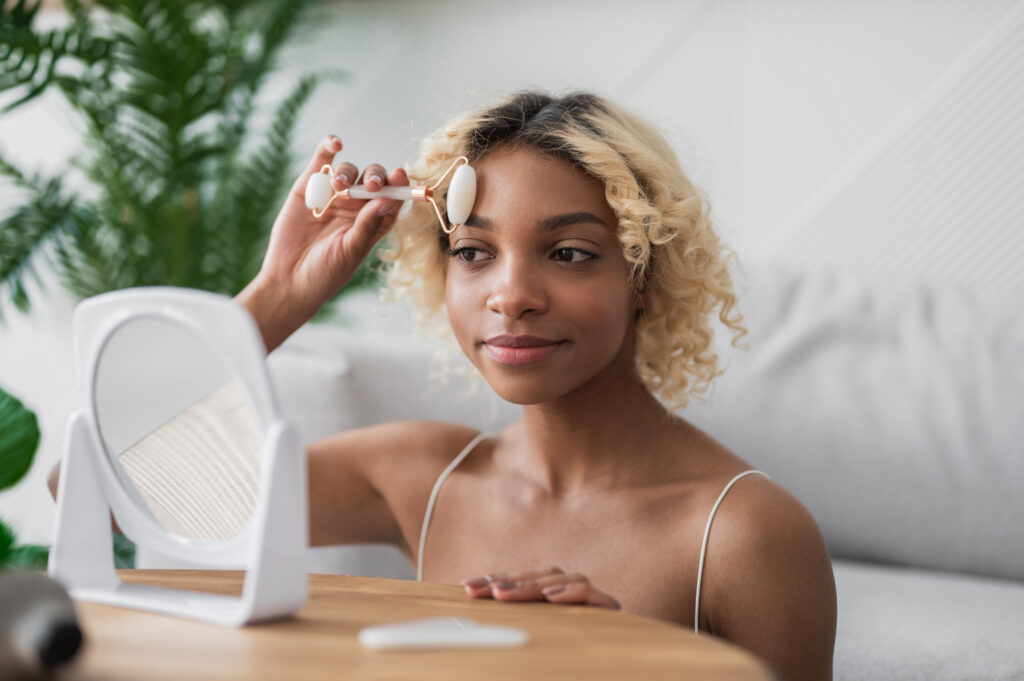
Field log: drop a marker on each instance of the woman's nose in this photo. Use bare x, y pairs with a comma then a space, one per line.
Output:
518, 290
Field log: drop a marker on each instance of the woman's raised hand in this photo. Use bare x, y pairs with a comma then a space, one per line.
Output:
551, 584
310, 259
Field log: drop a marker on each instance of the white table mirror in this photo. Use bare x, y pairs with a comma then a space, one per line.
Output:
178, 437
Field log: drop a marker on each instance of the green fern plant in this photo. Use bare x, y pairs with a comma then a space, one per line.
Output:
19, 438
181, 189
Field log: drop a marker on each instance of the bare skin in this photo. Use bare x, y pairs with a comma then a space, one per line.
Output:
598, 495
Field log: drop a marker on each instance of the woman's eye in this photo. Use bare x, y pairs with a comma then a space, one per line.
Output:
571, 255
467, 254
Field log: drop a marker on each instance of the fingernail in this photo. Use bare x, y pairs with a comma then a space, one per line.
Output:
506, 585
553, 589
376, 178
475, 583
387, 207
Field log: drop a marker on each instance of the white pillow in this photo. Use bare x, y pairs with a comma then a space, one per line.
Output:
312, 386
893, 410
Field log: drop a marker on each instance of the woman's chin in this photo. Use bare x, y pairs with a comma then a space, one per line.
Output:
526, 391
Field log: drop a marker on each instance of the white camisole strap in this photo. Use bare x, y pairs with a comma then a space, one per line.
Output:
704, 544
433, 498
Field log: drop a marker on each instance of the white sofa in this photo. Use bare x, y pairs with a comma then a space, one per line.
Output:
892, 410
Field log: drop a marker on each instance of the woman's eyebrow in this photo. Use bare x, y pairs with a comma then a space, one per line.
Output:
547, 224
479, 222
554, 222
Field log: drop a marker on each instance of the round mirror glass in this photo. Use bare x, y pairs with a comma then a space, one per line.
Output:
179, 429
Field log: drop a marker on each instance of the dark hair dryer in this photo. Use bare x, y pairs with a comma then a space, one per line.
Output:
38, 628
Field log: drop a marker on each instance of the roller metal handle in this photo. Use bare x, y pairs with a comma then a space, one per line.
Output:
360, 191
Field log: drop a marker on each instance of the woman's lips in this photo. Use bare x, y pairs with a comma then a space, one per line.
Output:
514, 350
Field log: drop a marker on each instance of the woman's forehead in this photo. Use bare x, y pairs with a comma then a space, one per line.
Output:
521, 179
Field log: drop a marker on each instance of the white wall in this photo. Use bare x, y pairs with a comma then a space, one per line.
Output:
872, 137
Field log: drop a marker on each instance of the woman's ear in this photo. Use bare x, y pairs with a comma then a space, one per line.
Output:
640, 291
639, 302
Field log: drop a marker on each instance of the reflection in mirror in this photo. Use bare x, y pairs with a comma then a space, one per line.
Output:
178, 429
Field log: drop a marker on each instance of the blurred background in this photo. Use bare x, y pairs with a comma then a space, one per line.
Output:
879, 138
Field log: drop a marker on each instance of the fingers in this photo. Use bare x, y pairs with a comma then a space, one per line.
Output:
398, 178
537, 589
481, 587
374, 177
324, 155
526, 589
377, 216
381, 212
577, 589
344, 176
551, 584
387, 209
372, 218
528, 575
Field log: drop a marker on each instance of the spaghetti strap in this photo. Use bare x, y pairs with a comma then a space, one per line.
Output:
704, 544
433, 498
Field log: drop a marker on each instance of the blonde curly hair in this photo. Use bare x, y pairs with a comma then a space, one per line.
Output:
679, 266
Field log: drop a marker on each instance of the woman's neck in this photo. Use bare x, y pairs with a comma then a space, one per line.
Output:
602, 435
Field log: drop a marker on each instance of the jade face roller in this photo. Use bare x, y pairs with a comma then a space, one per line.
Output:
461, 193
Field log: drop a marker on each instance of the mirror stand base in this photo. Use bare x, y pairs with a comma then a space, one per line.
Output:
214, 608
276, 585
82, 556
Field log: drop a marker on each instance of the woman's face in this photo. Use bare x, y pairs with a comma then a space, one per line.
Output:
537, 288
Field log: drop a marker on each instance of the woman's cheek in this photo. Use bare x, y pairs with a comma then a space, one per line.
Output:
460, 308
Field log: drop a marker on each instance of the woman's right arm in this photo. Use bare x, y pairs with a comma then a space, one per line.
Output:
371, 485
310, 259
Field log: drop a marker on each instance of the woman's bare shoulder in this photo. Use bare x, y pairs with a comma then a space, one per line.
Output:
768, 583
759, 515
380, 474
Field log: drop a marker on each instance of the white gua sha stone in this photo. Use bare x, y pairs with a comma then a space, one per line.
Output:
461, 193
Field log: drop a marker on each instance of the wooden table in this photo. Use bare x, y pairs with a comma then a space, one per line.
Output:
320, 642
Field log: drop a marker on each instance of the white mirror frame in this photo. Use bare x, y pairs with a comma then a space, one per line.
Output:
272, 546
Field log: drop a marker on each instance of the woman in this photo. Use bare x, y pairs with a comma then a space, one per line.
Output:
582, 287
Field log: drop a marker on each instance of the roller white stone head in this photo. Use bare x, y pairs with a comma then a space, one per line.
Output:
318, 191
461, 195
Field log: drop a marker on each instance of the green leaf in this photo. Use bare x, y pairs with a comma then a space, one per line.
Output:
124, 552
44, 214
19, 438
29, 557
6, 543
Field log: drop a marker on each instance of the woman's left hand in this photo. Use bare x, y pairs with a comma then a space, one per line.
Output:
551, 584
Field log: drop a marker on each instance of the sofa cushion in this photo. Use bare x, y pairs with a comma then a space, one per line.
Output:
905, 624
891, 409
312, 387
